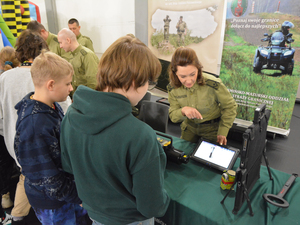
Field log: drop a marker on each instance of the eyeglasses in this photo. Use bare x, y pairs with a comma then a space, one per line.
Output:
151, 84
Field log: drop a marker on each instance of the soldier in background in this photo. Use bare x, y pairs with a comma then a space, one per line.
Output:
167, 21
181, 31
83, 40
84, 61
50, 38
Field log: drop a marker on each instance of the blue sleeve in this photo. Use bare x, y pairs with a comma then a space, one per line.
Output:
38, 151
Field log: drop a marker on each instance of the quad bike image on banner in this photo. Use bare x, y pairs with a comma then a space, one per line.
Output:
279, 54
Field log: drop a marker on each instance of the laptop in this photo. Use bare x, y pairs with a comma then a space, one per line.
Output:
220, 157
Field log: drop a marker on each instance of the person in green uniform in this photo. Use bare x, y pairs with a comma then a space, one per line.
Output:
84, 61
83, 40
50, 38
199, 100
167, 21
181, 31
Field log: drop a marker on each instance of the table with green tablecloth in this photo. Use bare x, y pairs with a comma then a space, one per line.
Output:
195, 195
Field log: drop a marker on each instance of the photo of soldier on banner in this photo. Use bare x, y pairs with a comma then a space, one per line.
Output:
195, 24
260, 59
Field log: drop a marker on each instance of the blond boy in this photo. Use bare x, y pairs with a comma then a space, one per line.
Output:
50, 191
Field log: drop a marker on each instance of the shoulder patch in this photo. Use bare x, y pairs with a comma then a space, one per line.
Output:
169, 87
87, 38
55, 39
213, 84
83, 52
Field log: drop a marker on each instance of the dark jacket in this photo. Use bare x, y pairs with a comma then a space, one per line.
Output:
116, 159
37, 148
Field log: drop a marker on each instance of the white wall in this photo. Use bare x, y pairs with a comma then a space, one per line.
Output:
101, 20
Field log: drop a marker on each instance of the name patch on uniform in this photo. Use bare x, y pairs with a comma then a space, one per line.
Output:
213, 84
181, 96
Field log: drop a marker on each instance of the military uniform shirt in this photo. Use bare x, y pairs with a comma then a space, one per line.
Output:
181, 27
85, 41
53, 44
212, 100
85, 64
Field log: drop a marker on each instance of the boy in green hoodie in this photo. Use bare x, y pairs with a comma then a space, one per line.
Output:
115, 158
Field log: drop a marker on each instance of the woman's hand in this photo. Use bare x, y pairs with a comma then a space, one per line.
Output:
222, 140
191, 113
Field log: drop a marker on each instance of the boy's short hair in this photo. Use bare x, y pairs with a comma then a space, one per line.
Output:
126, 61
49, 66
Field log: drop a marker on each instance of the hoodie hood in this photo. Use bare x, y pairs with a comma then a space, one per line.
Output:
93, 111
29, 106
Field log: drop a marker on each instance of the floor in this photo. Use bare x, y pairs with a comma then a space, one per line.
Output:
283, 152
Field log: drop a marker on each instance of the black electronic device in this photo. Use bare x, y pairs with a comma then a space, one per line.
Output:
254, 148
220, 157
163, 79
278, 199
173, 155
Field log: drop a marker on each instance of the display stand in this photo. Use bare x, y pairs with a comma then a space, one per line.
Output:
254, 148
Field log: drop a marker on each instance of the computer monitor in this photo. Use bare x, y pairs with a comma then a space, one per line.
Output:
163, 79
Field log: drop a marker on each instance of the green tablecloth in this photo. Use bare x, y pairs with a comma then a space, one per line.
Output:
195, 195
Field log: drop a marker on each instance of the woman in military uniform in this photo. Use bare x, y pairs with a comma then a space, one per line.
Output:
199, 100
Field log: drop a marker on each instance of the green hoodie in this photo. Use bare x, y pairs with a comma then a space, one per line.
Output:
116, 159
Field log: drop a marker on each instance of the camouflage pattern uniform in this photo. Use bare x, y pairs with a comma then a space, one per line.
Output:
181, 27
166, 28
85, 64
212, 100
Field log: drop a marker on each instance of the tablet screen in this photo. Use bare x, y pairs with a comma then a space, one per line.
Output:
214, 155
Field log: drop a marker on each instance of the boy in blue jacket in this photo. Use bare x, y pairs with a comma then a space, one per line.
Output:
51, 191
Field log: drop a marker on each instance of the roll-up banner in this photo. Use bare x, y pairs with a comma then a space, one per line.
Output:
260, 59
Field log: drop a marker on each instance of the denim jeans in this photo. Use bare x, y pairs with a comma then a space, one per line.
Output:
67, 214
144, 222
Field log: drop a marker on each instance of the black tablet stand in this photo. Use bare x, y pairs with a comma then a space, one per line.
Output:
254, 147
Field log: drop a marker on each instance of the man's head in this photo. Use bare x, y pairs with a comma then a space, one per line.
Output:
74, 26
37, 27
29, 45
67, 40
54, 74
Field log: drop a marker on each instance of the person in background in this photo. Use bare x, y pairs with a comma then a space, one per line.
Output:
181, 31
14, 85
83, 40
8, 61
50, 38
84, 61
51, 191
116, 159
199, 100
